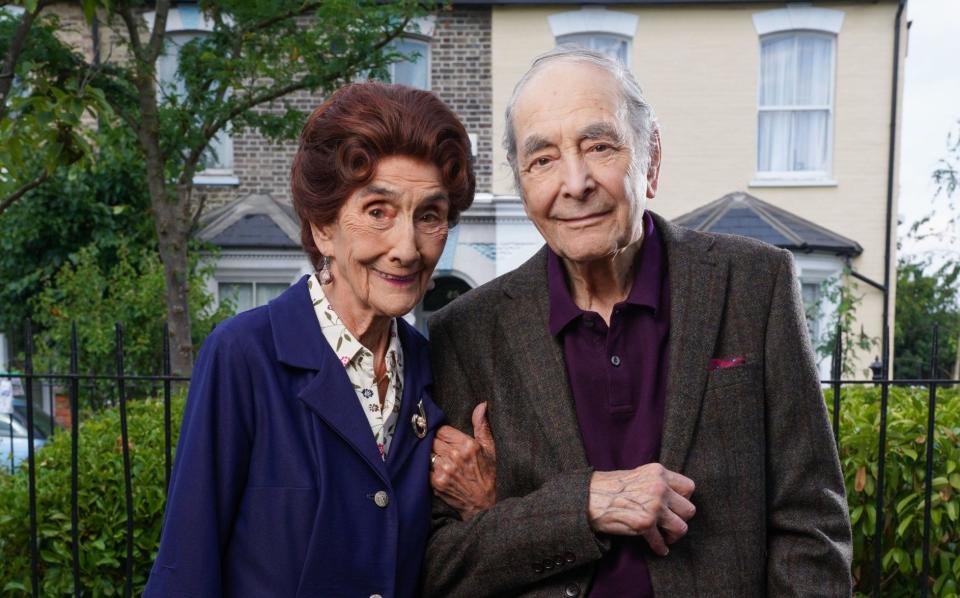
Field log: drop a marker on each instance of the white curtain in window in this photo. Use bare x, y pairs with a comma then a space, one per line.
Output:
795, 103
412, 72
613, 46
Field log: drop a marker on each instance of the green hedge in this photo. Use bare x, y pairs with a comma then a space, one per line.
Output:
903, 486
101, 505
103, 515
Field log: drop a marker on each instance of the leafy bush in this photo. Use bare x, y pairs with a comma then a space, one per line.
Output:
130, 290
903, 487
103, 516
101, 503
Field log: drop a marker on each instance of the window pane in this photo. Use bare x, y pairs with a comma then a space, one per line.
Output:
809, 137
777, 75
240, 294
795, 70
773, 147
412, 72
167, 63
613, 46
268, 291
219, 154
811, 298
814, 55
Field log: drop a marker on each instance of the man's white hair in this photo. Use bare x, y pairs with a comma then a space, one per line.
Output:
638, 113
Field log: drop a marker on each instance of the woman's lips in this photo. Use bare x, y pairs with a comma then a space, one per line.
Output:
397, 279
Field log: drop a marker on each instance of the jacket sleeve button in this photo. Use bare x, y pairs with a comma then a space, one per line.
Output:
572, 590
537, 568
558, 561
570, 557
548, 564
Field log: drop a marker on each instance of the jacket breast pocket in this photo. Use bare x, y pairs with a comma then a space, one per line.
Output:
722, 377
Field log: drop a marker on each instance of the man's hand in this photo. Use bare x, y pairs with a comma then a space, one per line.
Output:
649, 501
464, 468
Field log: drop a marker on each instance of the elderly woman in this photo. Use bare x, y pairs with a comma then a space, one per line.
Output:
303, 462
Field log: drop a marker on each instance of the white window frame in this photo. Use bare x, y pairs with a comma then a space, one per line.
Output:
595, 20
190, 20
791, 21
816, 269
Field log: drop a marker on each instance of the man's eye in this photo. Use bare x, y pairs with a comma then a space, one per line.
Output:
541, 161
429, 217
376, 213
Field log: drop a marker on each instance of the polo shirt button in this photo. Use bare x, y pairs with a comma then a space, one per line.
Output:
572, 590
382, 499
615, 360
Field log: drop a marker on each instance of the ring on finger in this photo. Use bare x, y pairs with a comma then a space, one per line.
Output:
433, 459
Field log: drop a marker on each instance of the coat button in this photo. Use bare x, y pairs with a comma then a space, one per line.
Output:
381, 499
375, 596
572, 590
615, 360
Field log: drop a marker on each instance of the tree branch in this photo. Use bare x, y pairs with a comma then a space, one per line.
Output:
13, 197
8, 69
133, 30
155, 45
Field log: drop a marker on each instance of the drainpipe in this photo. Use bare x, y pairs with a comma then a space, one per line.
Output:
890, 164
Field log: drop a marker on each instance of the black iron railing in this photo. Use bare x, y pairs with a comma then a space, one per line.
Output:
73, 378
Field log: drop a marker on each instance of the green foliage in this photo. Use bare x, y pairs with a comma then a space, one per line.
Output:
101, 205
102, 510
841, 293
42, 118
903, 487
129, 291
925, 299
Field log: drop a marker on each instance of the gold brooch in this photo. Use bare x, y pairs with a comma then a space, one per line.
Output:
419, 421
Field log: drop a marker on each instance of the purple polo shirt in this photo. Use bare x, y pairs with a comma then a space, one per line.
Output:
618, 378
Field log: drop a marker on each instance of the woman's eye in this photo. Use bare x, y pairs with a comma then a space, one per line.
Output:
601, 147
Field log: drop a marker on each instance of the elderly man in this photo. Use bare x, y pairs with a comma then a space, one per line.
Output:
651, 391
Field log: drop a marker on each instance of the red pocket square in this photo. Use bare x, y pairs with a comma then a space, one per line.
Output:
728, 362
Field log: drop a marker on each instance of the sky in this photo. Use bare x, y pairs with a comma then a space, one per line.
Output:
931, 109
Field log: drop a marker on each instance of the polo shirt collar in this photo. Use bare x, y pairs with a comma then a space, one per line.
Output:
648, 271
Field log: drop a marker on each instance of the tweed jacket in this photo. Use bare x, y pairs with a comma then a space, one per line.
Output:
771, 515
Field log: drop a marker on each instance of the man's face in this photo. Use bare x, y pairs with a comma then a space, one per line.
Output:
574, 153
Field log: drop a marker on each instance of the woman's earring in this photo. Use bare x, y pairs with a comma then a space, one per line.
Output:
326, 277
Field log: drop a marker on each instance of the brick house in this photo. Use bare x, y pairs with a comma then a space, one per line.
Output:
781, 110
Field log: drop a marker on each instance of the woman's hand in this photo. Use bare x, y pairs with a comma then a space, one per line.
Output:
464, 468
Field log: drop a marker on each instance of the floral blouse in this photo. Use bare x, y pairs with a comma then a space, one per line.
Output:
358, 361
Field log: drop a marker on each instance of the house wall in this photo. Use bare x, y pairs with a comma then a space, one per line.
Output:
459, 74
699, 68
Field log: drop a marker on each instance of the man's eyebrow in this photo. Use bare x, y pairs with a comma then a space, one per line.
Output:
534, 144
601, 130
435, 197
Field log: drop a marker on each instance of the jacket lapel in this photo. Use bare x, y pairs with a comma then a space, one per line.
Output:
540, 359
697, 295
330, 395
416, 380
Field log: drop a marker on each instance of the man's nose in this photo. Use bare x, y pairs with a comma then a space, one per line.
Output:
577, 180
403, 242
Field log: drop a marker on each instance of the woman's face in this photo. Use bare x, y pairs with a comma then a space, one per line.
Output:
386, 240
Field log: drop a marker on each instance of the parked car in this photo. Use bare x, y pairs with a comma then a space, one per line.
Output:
13, 434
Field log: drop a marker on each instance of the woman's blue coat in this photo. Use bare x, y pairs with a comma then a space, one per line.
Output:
273, 487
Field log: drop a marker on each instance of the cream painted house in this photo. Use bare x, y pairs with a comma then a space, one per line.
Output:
786, 103
776, 122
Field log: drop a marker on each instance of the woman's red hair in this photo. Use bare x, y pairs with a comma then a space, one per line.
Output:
362, 123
